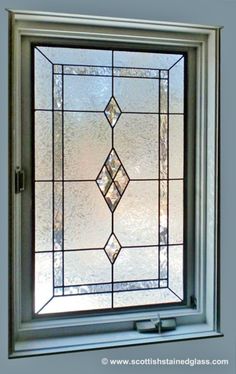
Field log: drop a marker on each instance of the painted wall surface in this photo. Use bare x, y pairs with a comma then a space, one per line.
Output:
213, 12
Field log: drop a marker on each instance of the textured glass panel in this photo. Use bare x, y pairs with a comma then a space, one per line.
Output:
176, 88
58, 216
86, 93
43, 216
163, 213
164, 95
136, 285
87, 70
86, 289
136, 264
136, 142
176, 146
42, 82
58, 291
132, 298
176, 269
83, 267
164, 74
136, 217
163, 283
163, 262
57, 269
43, 145
175, 212
145, 60
87, 216
57, 69
136, 95
57, 145
43, 279
163, 146
87, 141
57, 84
78, 303
142, 73
77, 56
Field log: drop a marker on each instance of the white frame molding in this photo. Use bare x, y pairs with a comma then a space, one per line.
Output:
34, 337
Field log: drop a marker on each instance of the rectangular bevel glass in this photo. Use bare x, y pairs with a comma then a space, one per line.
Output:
163, 146
58, 215
58, 150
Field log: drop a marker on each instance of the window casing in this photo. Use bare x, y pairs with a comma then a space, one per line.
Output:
201, 46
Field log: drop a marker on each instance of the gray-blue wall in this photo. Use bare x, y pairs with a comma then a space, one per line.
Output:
215, 12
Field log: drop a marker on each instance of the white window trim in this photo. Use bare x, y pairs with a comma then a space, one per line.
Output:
48, 335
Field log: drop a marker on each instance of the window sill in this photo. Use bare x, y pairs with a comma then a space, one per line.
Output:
86, 342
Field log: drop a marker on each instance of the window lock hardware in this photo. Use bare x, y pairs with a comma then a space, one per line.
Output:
19, 180
158, 325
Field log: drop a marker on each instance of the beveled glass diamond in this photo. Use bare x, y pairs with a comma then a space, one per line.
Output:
104, 180
112, 197
113, 163
121, 180
112, 248
112, 112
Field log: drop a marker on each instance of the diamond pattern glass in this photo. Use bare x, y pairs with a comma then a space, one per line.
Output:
112, 248
112, 180
112, 112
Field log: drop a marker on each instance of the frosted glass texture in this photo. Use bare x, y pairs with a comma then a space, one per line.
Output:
108, 179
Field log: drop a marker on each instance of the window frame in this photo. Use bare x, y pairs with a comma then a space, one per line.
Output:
30, 336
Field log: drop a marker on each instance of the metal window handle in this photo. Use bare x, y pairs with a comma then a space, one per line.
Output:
156, 325
19, 180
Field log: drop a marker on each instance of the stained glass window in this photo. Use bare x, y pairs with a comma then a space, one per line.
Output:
108, 179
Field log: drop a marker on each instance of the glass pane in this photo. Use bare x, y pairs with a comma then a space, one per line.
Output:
164, 95
87, 70
42, 81
175, 212
136, 217
43, 216
87, 216
136, 264
136, 95
163, 262
87, 141
57, 123
176, 142
148, 297
136, 141
106, 200
176, 269
145, 59
163, 146
58, 216
176, 87
82, 267
78, 302
86, 93
58, 269
77, 56
43, 145
43, 279
57, 83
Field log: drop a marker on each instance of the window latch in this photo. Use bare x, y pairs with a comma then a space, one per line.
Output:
19, 180
158, 325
